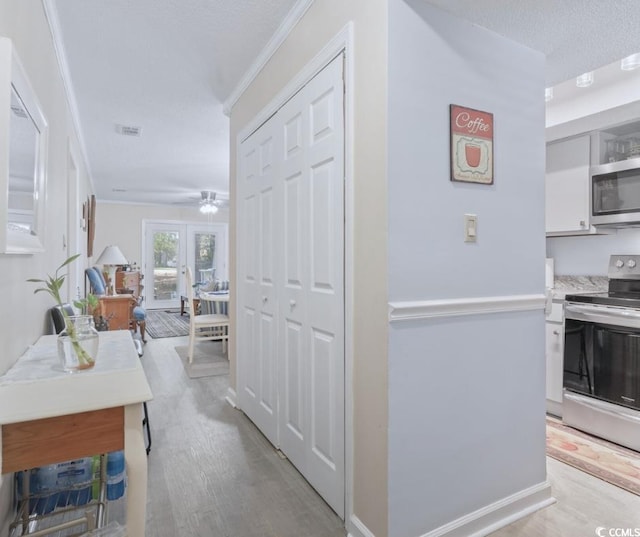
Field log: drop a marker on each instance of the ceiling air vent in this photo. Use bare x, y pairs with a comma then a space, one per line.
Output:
128, 130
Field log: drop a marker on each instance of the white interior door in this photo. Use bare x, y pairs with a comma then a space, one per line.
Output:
291, 255
312, 305
257, 279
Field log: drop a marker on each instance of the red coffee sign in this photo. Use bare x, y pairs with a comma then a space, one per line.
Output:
471, 145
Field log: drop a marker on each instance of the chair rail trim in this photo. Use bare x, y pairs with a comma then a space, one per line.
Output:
454, 307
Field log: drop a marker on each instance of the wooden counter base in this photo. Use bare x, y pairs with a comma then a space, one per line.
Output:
46, 441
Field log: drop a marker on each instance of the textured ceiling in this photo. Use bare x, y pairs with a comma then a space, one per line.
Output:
575, 35
166, 66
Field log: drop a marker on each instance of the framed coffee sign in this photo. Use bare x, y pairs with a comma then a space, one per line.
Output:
471, 145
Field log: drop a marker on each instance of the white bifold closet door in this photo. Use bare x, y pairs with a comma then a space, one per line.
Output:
291, 281
257, 252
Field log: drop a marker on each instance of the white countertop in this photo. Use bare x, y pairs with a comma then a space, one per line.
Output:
36, 387
565, 285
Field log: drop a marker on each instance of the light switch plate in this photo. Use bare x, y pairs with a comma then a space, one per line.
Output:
470, 227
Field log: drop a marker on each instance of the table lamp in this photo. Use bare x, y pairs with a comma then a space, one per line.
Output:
110, 258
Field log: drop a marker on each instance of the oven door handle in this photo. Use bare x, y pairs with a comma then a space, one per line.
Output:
628, 318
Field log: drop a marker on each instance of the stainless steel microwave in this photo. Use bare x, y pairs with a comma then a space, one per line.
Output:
615, 194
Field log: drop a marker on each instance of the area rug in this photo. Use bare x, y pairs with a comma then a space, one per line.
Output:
604, 460
208, 360
167, 323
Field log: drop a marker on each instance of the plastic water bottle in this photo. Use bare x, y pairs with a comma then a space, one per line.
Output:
74, 481
115, 475
43, 491
95, 476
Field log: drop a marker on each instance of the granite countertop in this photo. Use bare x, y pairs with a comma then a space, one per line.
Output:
565, 285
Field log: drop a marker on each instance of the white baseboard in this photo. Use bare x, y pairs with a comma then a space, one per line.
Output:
483, 521
554, 408
357, 528
231, 397
499, 514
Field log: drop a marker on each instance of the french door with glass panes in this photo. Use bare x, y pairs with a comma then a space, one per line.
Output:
172, 246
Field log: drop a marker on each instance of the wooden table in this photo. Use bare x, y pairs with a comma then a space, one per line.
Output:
196, 304
116, 309
49, 416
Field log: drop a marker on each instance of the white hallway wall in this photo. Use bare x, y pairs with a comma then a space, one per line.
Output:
23, 313
466, 394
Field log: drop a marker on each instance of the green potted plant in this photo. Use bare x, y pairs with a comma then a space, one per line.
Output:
78, 342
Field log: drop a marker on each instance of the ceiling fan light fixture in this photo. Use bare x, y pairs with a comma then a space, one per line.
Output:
208, 208
630, 62
585, 80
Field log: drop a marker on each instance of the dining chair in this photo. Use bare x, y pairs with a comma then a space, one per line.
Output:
205, 327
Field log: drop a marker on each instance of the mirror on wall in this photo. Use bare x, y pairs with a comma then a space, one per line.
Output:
23, 139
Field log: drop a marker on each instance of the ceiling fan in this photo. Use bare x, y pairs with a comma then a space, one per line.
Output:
209, 204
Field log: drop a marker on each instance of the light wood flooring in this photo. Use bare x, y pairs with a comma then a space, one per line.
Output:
584, 503
212, 473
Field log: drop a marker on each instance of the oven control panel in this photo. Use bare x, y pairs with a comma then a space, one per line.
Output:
624, 267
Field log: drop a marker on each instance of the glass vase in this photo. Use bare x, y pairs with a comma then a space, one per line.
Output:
78, 343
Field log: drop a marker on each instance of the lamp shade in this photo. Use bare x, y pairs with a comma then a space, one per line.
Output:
111, 255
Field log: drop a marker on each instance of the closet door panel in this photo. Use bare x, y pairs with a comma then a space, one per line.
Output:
324, 294
293, 409
294, 289
292, 231
322, 234
257, 344
294, 425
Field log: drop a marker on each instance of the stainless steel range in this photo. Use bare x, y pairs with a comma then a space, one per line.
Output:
601, 376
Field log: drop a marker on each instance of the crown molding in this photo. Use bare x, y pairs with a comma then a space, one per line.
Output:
290, 21
51, 14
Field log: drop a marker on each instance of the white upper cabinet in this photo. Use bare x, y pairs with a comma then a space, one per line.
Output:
567, 187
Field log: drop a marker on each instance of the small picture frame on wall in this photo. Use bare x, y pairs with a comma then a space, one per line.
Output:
91, 224
471, 145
